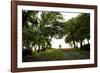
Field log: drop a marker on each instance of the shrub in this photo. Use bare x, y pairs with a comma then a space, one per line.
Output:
26, 52
86, 47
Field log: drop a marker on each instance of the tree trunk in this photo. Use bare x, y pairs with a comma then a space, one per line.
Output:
38, 48
27, 46
74, 43
35, 47
88, 41
80, 43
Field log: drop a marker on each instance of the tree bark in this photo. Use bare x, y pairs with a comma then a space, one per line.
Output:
74, 43
35, 47
88, 41
80, 43
38, 48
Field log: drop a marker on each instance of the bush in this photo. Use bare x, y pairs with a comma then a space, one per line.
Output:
86, 47
27, 52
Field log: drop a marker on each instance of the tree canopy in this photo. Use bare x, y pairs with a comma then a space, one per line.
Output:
78, 29
39, 27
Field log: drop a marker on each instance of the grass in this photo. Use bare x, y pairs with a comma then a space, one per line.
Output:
49, 54
57, 54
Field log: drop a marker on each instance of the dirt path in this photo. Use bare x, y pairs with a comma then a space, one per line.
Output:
72, 55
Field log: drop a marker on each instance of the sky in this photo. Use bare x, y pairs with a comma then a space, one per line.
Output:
67, 16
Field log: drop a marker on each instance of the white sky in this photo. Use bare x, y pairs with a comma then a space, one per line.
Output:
69, 15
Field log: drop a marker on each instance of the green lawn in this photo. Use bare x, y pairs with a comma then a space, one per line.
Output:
57, 54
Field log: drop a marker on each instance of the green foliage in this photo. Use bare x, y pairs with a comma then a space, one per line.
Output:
51, 23
40, 27
83, 21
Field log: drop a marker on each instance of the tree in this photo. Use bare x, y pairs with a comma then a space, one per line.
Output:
50, 26
83, 32
40, 27
70, 31
77, 29
29, 19
52, 23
